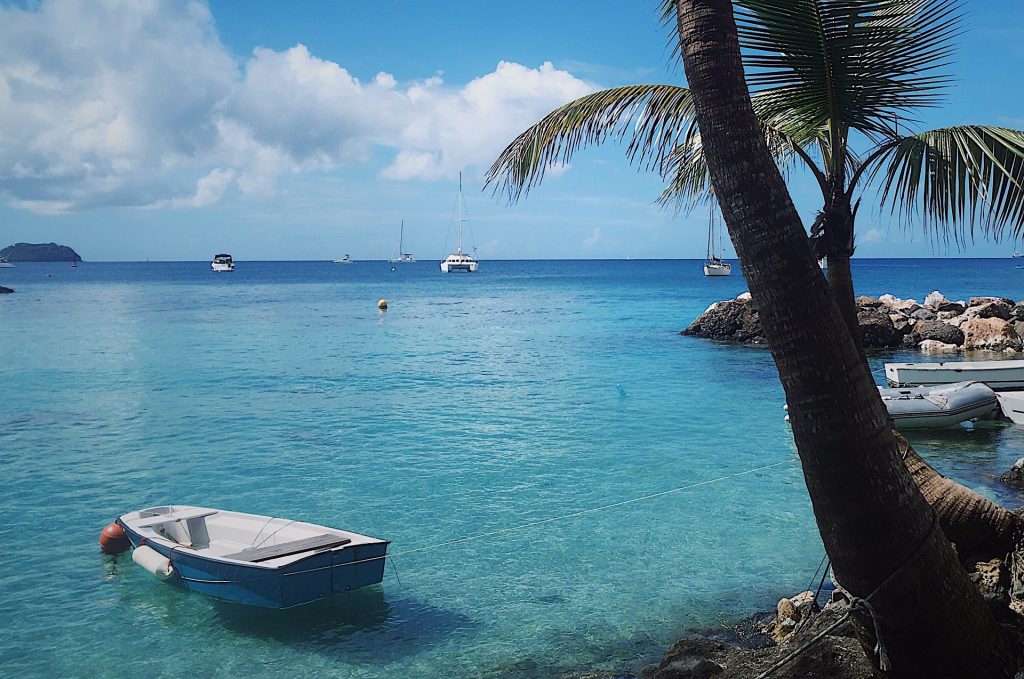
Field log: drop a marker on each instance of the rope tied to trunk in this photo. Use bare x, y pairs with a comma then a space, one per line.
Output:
862, 604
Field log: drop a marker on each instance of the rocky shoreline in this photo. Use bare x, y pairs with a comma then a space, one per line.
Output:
938, 325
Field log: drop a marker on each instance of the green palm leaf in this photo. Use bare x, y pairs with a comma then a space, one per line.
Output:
845, 63
653, 117
955, 179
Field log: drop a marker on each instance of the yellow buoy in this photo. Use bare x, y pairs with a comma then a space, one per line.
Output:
382, 304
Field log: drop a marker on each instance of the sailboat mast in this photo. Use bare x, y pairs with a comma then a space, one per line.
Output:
711, 230
401, 235
461, 218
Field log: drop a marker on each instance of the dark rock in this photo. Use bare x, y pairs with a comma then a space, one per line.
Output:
938, 331
923, 314
733, 320
978, 301
995, 309
910, 341
1018, 311
878, 329
1015, 477
688, 668
4, 290
871, 302
955, 307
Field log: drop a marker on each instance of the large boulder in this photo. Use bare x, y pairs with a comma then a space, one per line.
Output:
1018, 311
939, 331
996, 309
733, 320
4, 290
924, 314
990, 334
866, 301
934, 347
878, 329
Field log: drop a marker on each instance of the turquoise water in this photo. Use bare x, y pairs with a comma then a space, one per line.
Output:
474, 404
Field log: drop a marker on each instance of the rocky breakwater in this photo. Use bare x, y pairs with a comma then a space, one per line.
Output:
937, 325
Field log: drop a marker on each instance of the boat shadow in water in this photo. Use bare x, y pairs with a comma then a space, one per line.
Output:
367, 619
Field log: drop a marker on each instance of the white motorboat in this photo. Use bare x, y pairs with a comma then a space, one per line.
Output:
344, 260
403, 257
251, 559
1012, 405
998, 375
459, 260
939, 406
713, 264
222, 263
4, 264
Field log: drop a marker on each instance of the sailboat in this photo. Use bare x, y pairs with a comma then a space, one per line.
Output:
403, 257
715, 265
459, 260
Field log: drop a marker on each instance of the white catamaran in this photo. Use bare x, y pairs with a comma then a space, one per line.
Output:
715, 265
459, 260
403, 257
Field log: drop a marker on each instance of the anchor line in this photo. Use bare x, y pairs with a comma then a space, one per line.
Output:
522, 526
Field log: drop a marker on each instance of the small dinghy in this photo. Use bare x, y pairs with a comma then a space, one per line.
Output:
943, 405
1012, 405
251, 559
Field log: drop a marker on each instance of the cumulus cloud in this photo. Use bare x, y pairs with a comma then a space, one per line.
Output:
146, 107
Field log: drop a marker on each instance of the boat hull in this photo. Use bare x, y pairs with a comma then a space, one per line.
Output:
718, 269
1012, 405
449, 267
301, 581
996, 374
939, 406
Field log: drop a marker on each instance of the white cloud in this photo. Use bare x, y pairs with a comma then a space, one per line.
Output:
596, 236
145, 107
871, 236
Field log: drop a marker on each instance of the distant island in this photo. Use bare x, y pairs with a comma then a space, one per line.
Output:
39, 252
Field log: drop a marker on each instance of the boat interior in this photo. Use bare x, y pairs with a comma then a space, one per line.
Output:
255, 539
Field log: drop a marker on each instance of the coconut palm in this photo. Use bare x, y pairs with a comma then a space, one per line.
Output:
880, 532
834, 83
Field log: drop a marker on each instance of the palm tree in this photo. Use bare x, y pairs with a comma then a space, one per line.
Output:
880, 532
828, 75
882, 535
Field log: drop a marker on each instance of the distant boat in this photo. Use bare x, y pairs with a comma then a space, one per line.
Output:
251, 559
4, 264
1018, 255
403, 257
344, 260
74, 263
996, 374
459, 260
715, 265
222, 263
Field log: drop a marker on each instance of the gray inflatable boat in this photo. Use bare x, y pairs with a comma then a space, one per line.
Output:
941, 405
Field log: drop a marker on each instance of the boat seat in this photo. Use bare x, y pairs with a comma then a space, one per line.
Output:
318, 542
173, 516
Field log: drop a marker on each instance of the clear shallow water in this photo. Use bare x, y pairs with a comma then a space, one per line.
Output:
475, 403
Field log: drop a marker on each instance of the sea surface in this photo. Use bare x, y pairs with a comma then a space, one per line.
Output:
476, 404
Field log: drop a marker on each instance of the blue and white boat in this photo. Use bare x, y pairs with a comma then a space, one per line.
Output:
251, 559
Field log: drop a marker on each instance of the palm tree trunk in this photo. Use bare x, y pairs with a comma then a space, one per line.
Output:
973, 522
840, 284
876, 526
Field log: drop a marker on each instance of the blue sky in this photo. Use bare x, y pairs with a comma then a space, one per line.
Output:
174, 130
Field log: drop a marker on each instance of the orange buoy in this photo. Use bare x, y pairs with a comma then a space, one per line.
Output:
113, 539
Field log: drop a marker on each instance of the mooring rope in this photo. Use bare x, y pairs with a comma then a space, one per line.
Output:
500, 531
582, 512
862, 603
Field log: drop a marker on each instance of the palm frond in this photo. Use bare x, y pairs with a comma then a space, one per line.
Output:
957, 179
653, 117
854, 63
686, 169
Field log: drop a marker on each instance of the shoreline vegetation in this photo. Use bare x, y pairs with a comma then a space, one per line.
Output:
936, 326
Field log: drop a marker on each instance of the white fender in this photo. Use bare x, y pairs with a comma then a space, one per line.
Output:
153, 561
